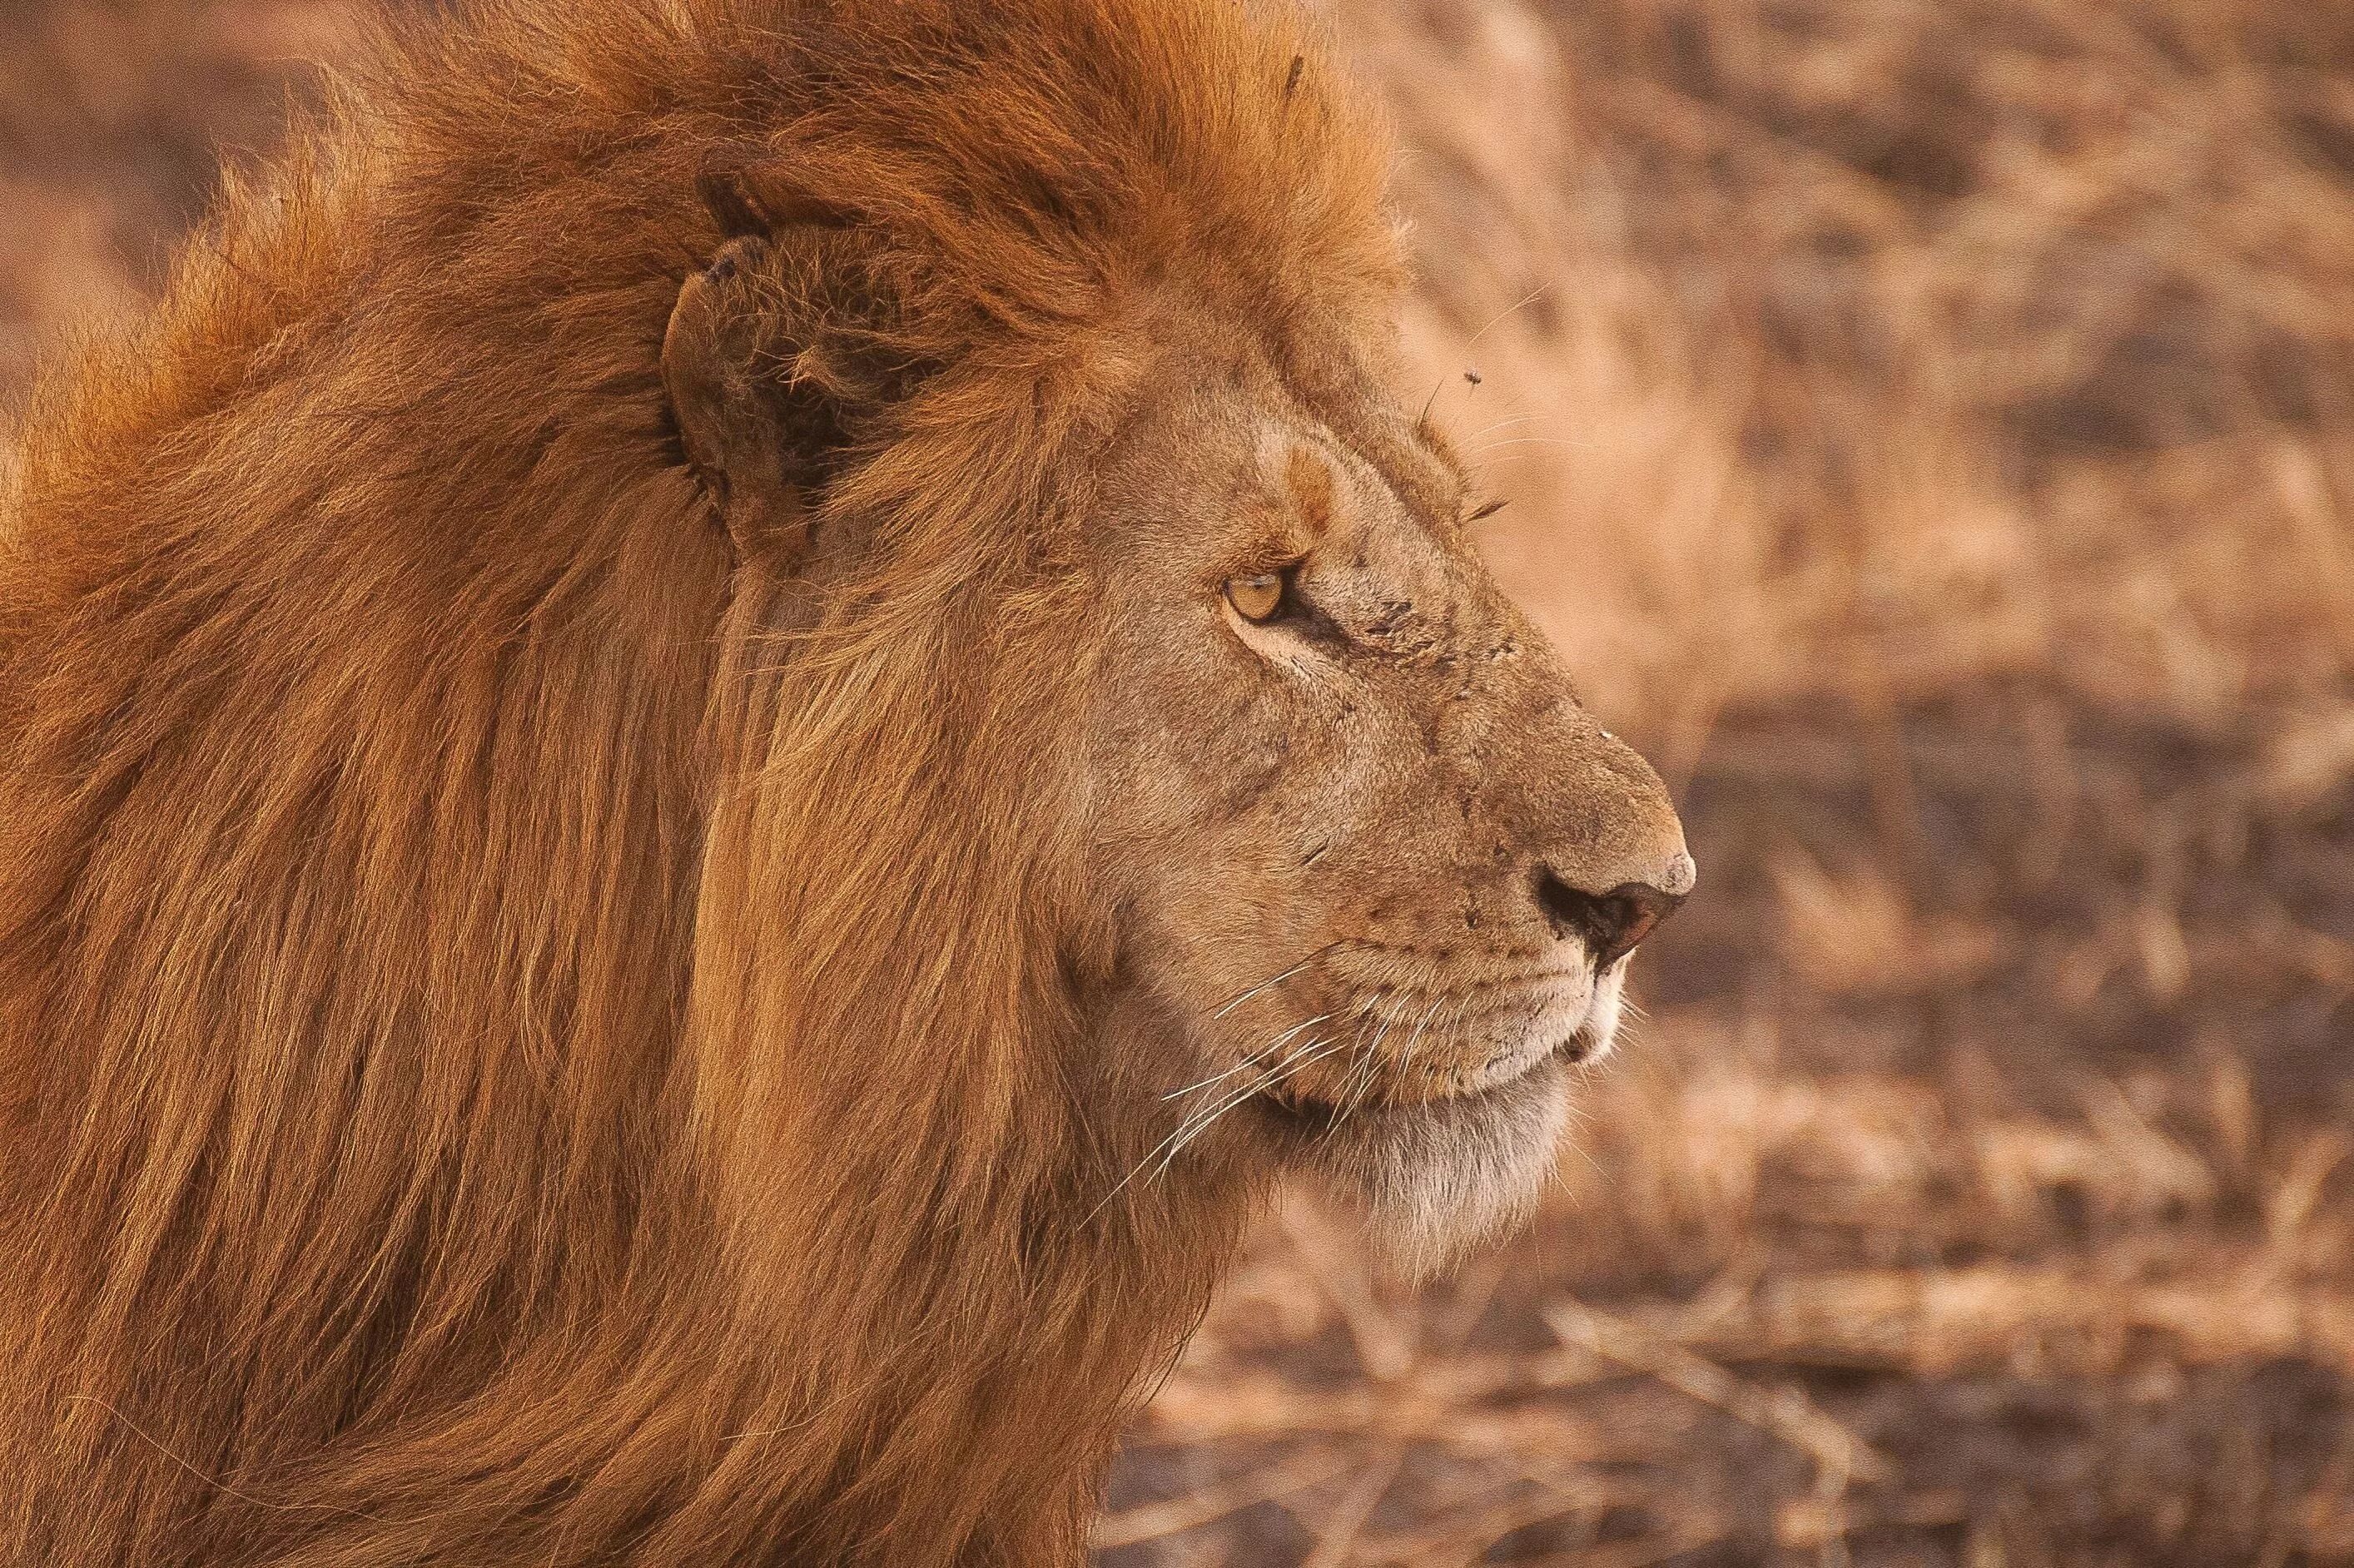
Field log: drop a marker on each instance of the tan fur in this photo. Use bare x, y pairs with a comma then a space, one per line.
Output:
604, 951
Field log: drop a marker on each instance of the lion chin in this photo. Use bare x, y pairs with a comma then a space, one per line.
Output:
1433, 1180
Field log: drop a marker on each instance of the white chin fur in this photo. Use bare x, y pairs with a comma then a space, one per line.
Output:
1435, 1181
1610, 1005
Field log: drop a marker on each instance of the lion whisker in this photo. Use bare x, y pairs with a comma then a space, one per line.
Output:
1187, 1130
1500, 424
1252, 1060
1202, 1123
1366, 1072
1405, 1057
1480, 452
1275, 980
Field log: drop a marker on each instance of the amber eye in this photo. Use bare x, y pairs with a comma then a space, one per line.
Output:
1256, 598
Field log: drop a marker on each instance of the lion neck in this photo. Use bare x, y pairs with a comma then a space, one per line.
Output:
939, 1376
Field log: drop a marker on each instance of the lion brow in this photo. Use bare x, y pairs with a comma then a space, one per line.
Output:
1308, 478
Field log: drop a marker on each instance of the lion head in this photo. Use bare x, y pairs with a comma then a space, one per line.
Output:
741, 713
1368, 876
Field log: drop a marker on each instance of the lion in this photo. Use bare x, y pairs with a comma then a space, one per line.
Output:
736, 718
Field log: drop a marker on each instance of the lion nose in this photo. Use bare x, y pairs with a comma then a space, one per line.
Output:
1614, 923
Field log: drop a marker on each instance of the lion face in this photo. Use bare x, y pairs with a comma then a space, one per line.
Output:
1375, 871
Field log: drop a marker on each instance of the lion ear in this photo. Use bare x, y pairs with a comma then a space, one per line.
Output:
777, 363
730, 420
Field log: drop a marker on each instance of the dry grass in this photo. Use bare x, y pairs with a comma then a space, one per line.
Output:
1929, 427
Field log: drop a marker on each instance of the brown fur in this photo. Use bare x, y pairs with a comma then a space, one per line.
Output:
541, 1022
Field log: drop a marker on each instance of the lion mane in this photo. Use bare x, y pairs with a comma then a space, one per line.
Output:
506, 1056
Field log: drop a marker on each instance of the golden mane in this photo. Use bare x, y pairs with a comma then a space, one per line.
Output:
503, 1060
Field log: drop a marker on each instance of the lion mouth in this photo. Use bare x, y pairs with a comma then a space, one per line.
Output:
1311, 1115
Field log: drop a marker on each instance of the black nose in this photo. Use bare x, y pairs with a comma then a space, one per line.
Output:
1610, 924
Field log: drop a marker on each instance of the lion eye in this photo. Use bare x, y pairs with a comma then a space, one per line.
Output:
1256, 598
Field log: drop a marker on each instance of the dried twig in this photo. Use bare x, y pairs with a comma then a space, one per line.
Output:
1782, 1412
1153, 1521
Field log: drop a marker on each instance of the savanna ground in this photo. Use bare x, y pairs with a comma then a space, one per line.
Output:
1928, 427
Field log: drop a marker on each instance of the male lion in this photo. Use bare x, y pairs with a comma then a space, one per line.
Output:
737, 716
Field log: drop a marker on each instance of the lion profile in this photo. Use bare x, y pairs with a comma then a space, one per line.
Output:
739, 711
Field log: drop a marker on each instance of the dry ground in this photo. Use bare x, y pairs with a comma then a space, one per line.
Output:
1929, 427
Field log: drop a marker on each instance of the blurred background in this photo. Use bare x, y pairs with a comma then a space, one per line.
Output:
1928, 427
